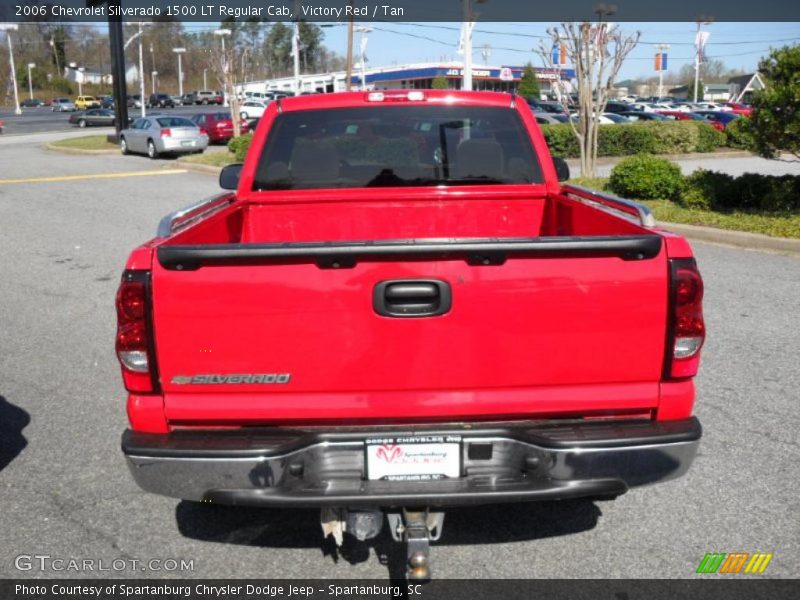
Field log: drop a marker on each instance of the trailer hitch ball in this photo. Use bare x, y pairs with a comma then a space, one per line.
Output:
419, 567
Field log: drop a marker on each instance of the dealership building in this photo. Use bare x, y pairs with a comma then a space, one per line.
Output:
415, 76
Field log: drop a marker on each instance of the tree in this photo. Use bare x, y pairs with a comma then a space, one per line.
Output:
690, 91
775, 122
529, 84
597, 50
440, 83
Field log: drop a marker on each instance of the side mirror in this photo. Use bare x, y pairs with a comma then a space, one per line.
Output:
229, 176
562, 168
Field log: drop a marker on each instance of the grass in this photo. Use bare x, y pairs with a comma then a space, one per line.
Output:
776, 225
214, 159
89, 142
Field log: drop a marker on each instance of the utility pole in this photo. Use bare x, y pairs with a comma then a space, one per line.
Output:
141, 71
30, 80
349, 74
8, 28
364, 31
296, 47
700, 42
180, 51
661, 64
466, 44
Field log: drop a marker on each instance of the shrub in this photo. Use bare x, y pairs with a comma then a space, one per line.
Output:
738, 135
751, 191
707, 189
708, 138
240, 145
652, 137
647, 177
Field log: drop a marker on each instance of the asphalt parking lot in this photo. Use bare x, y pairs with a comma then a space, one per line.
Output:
65, 491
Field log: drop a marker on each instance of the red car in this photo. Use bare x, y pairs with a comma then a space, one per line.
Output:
218, 125
1, 126
740, 109
690, 116
397, 306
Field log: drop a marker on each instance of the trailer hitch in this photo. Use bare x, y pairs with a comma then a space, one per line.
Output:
416, 528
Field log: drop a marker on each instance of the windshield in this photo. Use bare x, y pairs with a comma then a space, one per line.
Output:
397, 146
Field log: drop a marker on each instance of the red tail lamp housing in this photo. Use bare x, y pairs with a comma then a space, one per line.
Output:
687, 330
135, 333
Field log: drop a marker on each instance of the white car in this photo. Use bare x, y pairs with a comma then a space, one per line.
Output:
602, 119
642, 107
62, 105
628, 99
252, 109
712, 106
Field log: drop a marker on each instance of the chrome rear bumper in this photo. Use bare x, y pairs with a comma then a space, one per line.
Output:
504, 463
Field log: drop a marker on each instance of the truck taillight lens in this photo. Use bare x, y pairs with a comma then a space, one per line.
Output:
688, 329
133, 331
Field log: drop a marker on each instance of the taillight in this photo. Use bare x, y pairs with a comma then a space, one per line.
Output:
166, 132
203, 131
687, 328
133, 331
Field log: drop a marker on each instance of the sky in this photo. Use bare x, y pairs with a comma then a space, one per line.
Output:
738, 45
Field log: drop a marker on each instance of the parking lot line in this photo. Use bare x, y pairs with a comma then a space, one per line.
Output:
93, 176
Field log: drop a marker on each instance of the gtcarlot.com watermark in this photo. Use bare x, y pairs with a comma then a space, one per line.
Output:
48, 563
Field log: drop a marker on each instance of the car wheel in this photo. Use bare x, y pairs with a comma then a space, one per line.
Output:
151, 149
82, 123
123, 146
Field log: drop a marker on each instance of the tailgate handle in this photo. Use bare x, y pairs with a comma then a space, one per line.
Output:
412, 298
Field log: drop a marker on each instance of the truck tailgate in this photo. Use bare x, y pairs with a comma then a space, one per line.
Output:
267, 341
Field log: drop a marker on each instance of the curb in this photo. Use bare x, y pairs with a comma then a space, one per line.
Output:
208, 169
738, 239
611, 160
52, 148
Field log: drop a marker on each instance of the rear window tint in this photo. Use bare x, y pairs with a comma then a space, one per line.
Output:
395, 146
174, 122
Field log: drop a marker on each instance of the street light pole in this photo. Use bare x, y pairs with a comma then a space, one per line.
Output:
81, 70
225, 66
699, 41
153, 76
661, 48
179, 51
296, 47
30, 80
205, 81
364, 31
8, 28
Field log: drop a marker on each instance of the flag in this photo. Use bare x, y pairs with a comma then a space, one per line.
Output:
559, 53
700, 43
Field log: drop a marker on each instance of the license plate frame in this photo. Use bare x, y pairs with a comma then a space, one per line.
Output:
414, 458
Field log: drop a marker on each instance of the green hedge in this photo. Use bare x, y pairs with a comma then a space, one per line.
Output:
647, 177
654, 137
240, 145
738, 134
751, 191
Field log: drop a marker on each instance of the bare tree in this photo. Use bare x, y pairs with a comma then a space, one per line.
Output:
597, 50
224, 64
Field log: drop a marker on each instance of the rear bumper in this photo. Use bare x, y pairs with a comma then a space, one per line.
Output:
528, 461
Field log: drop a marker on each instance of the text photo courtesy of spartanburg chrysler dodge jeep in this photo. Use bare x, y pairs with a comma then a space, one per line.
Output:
397, 307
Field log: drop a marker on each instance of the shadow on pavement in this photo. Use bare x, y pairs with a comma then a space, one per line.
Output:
12, 421
300, 528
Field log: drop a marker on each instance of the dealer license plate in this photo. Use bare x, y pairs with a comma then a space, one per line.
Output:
417, 458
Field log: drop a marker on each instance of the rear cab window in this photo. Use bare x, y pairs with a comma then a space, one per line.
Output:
395, 146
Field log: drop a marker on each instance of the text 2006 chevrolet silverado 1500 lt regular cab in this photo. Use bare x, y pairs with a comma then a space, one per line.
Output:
401, 308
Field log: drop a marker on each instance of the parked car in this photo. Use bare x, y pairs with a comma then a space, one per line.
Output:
1, 125
94, 117
252, 109
107, 102
638, 115
208, 97
390, 335
641, 107
31, 103
546, 118
160, 134
161, 101
718, 118
219, 125
711, 106
616, 118
739, 108
546, 106
135, 101
618, 107
62, 105
680, 115
86, 102
177, 100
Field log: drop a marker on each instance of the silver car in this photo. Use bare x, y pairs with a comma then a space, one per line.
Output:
159, 134
62, 105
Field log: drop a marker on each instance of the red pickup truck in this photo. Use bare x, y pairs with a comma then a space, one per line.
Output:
398, 307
